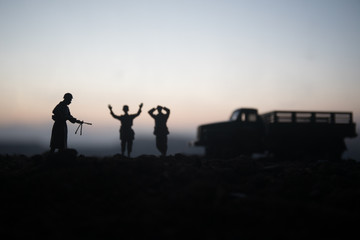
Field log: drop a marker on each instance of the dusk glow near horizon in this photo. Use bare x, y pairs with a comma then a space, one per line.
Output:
202, 59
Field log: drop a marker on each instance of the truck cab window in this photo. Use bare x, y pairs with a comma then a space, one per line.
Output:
234, 116
252, 117
243, 117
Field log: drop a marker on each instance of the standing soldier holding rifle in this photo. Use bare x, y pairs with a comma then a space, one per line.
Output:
61, 114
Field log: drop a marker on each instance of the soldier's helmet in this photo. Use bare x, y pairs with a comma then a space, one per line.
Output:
68, 96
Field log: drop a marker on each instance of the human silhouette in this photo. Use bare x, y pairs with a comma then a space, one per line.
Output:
160, 131
127, 134
61, 114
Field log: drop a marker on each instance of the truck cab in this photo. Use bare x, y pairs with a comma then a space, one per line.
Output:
242, 134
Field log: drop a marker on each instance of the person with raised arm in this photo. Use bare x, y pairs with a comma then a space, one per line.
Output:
161, 130
127, 134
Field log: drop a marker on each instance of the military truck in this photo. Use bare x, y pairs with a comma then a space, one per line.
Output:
280, 133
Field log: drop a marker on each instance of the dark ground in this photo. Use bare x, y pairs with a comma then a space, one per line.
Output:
66, 196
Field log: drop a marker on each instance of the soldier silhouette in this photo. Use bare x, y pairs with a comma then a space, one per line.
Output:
126, 132
61, 114
160, 131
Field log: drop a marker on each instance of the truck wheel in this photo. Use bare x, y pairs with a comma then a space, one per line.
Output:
336, 148
211, 151
217, 151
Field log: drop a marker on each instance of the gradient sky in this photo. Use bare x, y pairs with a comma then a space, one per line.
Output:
200, 58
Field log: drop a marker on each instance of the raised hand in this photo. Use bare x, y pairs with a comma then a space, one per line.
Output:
110, 107
141, 105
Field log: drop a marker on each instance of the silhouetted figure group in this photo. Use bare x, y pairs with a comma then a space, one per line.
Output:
127, 134
61, 114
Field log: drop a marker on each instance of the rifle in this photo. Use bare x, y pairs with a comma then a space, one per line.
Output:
81, 126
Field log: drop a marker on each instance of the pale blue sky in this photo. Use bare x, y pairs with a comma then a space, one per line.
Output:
200, 58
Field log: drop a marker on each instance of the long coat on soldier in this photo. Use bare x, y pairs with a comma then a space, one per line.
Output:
61, 114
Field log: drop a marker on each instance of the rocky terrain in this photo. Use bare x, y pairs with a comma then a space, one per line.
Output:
71, 196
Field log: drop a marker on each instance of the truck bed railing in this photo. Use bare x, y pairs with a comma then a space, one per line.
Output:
308, 117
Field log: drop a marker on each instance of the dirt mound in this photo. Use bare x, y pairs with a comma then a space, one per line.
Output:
176, 197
